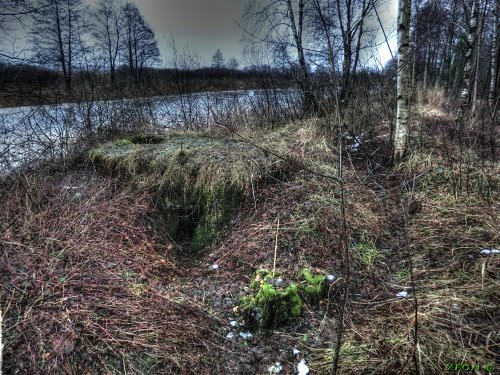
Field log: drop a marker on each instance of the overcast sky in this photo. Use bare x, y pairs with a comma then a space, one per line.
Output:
205, 25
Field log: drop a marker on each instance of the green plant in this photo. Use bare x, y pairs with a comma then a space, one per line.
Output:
403, 275
312, 286
367, 252
271, 303
123, 142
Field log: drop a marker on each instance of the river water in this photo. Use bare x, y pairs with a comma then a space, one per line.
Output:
31, 134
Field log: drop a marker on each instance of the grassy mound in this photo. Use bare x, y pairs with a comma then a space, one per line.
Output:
204, 177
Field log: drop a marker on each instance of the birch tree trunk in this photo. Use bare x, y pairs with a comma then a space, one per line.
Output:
414, 36
494, 53
471, 41
403, 79
426, 69
310, 104
478, 58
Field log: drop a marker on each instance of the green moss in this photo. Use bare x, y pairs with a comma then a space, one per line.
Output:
272, 302
123, 142
312, 286
263, 276
216, 211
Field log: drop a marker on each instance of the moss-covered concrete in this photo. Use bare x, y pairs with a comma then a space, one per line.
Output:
202, 178
312, 285
272, 301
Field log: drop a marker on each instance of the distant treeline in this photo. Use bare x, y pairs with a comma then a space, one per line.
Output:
25, 84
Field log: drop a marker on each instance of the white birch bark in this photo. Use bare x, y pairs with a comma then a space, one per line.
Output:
471, 41
478, 70
403, 79
494, 53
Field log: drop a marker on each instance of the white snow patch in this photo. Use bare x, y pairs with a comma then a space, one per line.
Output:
302, 368
276, 368
402, 294
355, 145
490, 251
215, 266
296, 351
230, 335
246, 335
233, 323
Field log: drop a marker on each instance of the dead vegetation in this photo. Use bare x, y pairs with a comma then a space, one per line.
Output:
89, 288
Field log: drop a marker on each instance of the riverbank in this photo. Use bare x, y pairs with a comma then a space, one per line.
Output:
91, 285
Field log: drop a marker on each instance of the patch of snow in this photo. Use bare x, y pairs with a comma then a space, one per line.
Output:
246, 335
490, 251
296, 351
330, 278
302, 368
276, 368
355, 146
215, 266
279, 281
402, 294
230, 335
233, 323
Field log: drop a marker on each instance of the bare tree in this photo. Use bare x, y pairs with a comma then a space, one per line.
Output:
281, 26
478, 55
233, 63
403, 78
351, 19
57, 27
108, 32
140, 45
